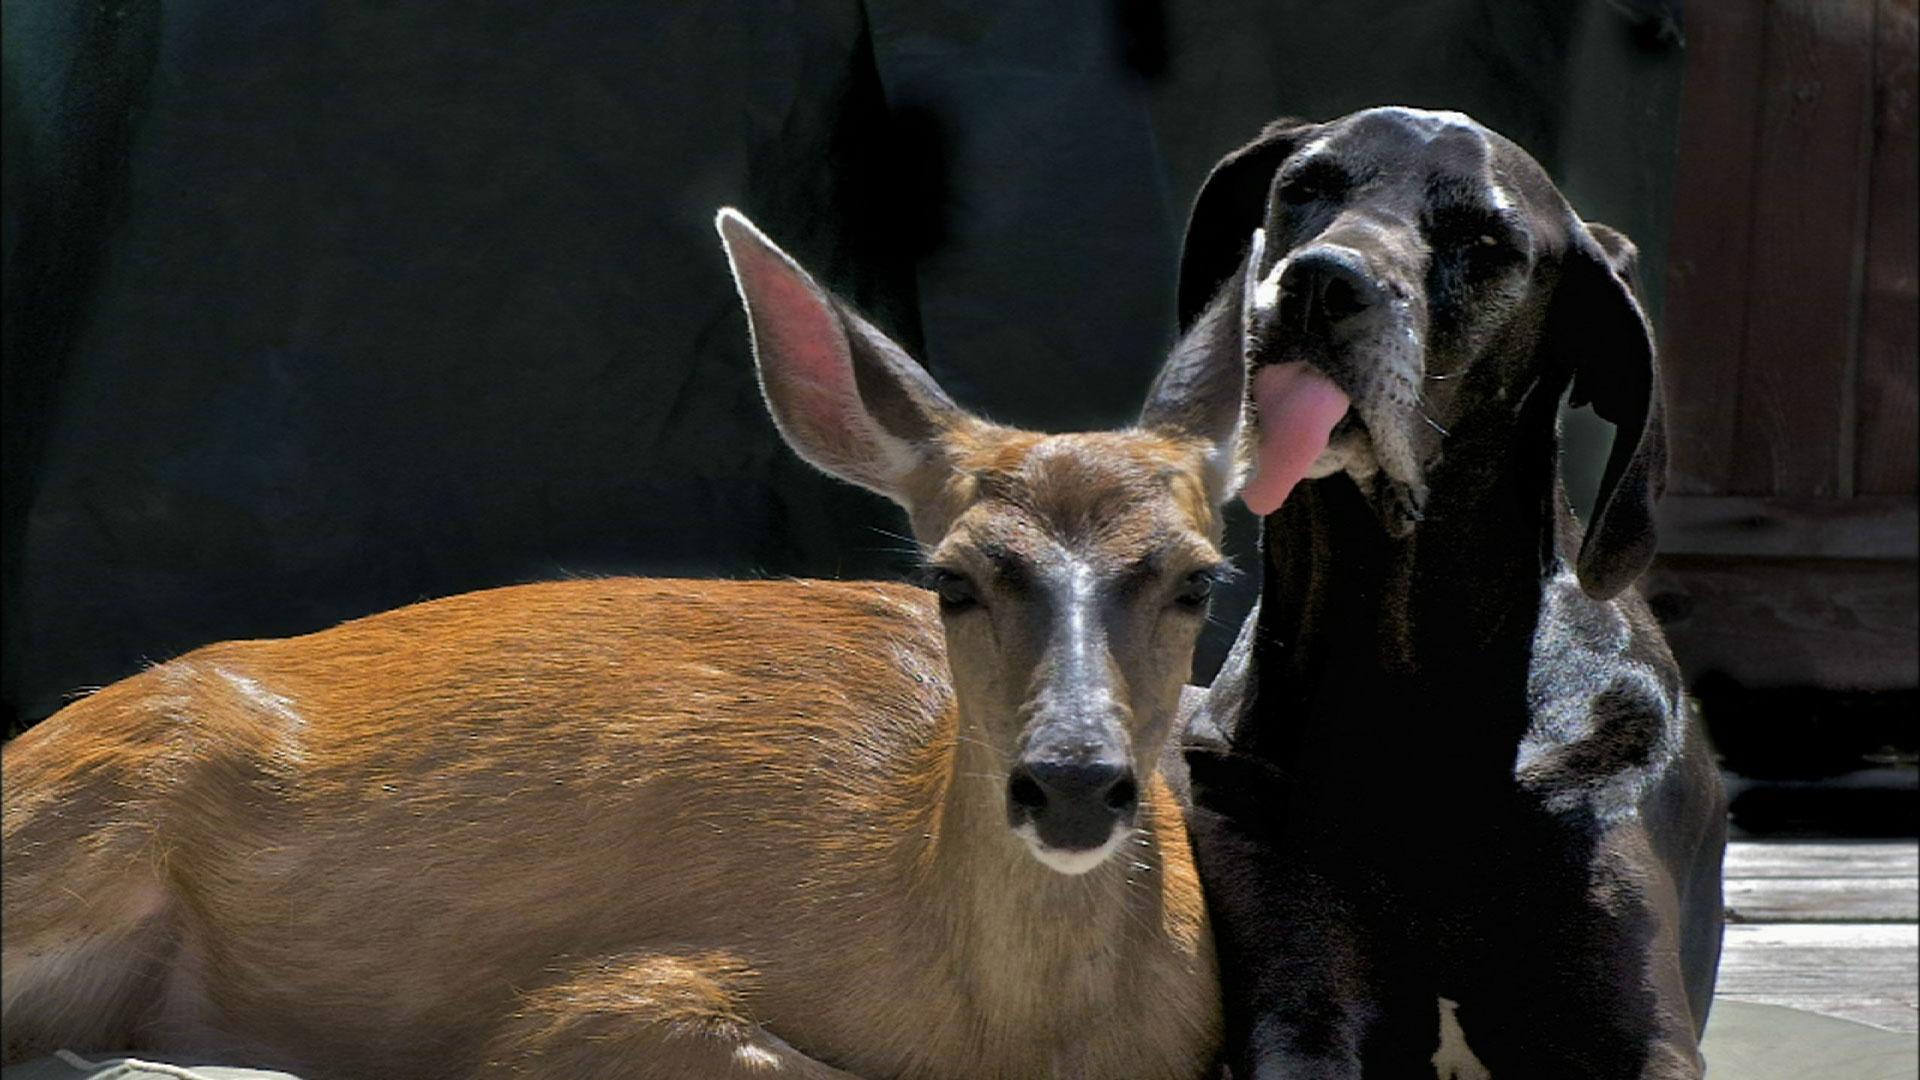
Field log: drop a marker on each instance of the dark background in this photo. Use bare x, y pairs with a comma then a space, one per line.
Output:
317, 308
314, 309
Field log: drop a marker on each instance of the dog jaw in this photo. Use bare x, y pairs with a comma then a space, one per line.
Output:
1384, 442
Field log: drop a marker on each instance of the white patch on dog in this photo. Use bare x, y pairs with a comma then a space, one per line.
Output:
1588, 653
1266, 294
1431, 122
1064, 861
1455, 1060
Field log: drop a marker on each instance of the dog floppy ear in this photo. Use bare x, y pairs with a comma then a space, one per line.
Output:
1604, 337
1231, 204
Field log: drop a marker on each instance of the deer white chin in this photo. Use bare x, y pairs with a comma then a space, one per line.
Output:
1071, 861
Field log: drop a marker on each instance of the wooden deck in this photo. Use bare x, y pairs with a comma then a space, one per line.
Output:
1830, 926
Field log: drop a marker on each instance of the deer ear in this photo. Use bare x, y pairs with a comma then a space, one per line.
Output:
1600, 332
1201, 391
844, 395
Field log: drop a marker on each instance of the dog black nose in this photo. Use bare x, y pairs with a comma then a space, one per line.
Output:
1073, 804
1321, 288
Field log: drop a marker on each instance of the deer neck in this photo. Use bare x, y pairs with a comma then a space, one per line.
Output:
1029, 933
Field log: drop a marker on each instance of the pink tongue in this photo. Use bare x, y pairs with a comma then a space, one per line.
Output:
1298, 408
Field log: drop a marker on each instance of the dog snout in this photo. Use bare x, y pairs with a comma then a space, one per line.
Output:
1325, 288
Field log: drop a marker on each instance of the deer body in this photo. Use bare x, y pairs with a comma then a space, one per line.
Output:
660, 828
625, 762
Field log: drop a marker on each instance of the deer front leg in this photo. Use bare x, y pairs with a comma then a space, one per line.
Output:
646, 1016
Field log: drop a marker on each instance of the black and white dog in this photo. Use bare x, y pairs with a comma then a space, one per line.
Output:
1454, 817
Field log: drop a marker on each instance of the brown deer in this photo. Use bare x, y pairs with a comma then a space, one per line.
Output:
663, 828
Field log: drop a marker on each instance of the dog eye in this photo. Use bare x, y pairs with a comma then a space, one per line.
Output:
1311, 184
1297, 191
1488, 252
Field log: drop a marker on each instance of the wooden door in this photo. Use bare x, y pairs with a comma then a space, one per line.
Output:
1788, 535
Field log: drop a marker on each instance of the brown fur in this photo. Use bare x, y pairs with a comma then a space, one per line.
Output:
667, 829
627, 827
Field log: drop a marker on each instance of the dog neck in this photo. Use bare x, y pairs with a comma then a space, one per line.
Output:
1446, 611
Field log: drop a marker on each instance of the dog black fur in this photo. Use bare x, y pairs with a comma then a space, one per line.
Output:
1453, 814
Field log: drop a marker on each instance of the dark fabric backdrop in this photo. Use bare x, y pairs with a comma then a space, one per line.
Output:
315, 308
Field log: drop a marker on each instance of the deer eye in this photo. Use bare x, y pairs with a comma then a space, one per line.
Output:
955, 590
1197, 589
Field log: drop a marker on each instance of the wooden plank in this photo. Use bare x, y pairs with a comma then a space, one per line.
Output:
1861, 971
1707, 253
1888, 405
1833, 623
1820, 859
1794, 431
1858, 528
1749, 1041
1893, 1013
1822, 900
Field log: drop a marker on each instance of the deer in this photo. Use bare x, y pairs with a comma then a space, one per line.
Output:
636, 827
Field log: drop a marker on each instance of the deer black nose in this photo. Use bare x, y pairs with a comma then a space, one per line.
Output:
1073, 804
1323, 287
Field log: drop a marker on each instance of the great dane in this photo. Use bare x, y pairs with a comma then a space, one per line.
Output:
1454, 816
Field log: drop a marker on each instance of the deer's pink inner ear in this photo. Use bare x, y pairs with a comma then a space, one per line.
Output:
1298, 407
800, 341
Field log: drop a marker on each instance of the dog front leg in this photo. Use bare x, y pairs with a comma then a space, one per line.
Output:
1292, 974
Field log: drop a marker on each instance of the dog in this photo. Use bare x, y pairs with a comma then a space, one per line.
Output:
1453, 814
